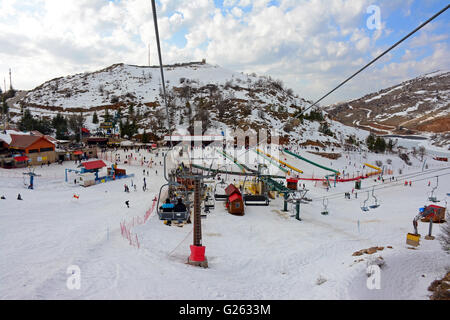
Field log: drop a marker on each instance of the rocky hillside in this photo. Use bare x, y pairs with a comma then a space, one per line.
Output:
196, 91
419, 105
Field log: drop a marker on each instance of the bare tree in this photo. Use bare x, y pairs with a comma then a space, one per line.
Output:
422, 152
76, 122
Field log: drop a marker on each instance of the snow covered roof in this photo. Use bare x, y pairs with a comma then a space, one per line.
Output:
5, 135
23, 141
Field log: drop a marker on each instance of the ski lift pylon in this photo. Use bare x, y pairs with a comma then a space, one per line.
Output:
432, 197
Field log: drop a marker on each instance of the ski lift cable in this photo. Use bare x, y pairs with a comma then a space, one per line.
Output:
377, 58
387, 186
369, 64
155, 20
337, 195
390, 184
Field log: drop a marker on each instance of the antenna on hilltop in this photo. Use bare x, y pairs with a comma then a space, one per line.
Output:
10, 83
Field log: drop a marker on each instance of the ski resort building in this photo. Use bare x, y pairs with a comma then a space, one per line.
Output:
25, 149
37, 148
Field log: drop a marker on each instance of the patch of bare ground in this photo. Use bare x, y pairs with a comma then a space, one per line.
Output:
370, 250
440, 288
312, 143
76, 110
332, 156
369, 128
437, 125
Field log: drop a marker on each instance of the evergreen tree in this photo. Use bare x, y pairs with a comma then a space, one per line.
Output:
44, 126
61, 128
145, 138
380, 144
107, 116
121, 129
5, 108
95, 118
374, 143
314, 115
131, 111
27, 122
133, 128
9, 94
325, 129
370, 141
125, 129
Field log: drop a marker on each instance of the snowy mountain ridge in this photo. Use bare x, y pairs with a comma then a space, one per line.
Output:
416, 106
221, 98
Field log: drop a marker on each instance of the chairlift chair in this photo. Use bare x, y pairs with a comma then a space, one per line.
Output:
325, 207
255, 200
209, 203
171, 215
364, 206
432, 197
376, 204
219, 191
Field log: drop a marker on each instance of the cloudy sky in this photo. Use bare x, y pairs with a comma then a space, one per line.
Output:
311, 45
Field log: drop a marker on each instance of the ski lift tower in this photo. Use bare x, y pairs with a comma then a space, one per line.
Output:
296, 198
197, 256
31, 174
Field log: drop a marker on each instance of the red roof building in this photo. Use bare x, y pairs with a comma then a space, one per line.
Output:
235, 204
93, 165
232, 189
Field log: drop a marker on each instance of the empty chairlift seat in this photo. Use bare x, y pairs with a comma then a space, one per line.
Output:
219, 191
256, 200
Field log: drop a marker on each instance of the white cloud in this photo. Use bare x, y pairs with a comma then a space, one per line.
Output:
237, 12
317, 41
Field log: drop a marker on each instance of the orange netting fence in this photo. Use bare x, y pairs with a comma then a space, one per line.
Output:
127, 226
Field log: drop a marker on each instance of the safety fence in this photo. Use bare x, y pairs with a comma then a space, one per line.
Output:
127, 226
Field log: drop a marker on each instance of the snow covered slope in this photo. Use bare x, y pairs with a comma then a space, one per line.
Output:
266, 254
414, 106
